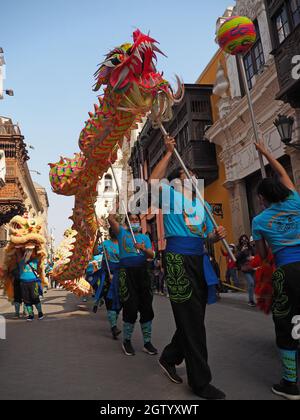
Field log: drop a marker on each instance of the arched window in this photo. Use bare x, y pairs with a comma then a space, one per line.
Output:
108, 183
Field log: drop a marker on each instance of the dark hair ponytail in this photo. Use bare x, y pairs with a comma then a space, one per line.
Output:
131, 214
273, 190
112, 234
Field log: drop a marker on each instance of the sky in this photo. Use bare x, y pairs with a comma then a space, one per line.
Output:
52, 49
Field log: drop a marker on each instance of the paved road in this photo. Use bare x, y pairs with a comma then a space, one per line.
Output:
70, 354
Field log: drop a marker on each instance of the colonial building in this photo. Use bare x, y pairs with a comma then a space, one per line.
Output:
43, 198
215, 73
18, 193
232, 133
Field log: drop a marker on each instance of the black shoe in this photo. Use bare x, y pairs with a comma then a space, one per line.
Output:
150, 349
287, 390
30, 318
41, 316
252, 304
211, 393
170, 372
115, 332
95, 309
128, 349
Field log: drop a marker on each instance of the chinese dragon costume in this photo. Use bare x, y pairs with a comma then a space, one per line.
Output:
132, 88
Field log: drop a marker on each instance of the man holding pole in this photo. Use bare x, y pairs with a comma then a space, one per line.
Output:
190, 278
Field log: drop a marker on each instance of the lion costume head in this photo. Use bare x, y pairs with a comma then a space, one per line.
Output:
25, 234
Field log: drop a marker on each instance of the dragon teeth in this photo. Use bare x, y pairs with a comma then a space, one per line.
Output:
138, 55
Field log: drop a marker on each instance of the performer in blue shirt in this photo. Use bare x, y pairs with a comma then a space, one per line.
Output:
278, 226
135, 283
111, 292
30, 282
190, 277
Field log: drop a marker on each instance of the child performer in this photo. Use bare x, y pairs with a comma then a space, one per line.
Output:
135, 283
111, 287
30, 283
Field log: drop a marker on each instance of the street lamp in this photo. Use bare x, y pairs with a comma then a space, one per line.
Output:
8, 92
284, 126
36, 172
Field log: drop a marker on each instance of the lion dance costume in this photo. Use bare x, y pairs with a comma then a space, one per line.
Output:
25, 234
132, 88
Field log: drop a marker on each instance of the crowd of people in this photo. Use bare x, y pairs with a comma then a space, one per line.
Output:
120, 274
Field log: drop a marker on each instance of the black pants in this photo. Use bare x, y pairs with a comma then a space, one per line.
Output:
17, 291
286, 304
136, 294
188, 294
30, 293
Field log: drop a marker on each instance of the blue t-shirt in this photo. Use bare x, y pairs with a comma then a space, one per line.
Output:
26, 272
112, 251
91, 267
183, 217
126, 244
279, 225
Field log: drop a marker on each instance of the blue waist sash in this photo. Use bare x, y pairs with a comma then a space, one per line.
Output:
189, 246
138, 261
113, 266
288, 255
185, 245
114, 292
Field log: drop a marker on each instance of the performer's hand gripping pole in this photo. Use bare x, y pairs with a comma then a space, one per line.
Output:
254, 124
124, 206
102, 243
194, 181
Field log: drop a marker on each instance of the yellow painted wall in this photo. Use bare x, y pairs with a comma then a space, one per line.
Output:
216, 192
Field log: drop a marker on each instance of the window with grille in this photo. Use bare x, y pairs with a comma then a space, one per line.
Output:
185, 135
254, 60
282, 24
182, 114
199, 127
199, 107
295, 10
108, 183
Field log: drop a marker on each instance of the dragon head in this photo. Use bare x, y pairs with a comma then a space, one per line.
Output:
130, 63
130, 72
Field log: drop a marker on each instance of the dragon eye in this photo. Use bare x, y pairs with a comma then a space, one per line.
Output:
16, 226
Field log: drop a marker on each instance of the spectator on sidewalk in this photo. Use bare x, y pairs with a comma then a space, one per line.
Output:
244, 260
232, 272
